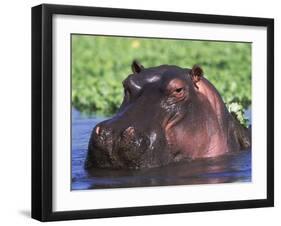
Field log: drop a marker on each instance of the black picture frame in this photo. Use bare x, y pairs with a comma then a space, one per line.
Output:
42, 111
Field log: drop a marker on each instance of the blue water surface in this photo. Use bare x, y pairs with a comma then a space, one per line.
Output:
226, 169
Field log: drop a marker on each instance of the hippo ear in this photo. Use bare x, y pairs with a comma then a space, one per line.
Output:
196, 74
136, 66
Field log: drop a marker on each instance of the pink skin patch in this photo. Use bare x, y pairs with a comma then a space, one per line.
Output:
209, 91
218, 144
206, 137
97, 130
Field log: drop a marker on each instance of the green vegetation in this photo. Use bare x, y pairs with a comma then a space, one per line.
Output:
100, 63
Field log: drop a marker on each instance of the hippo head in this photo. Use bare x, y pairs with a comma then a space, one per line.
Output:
155, 99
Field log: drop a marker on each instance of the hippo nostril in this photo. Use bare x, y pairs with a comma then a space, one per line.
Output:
129, 132
103, 133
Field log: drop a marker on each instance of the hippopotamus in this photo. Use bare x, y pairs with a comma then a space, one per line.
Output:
169, 114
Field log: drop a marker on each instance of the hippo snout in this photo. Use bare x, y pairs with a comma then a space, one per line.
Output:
117, 148
104, 136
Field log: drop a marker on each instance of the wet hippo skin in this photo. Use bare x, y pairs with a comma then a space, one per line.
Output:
168, 114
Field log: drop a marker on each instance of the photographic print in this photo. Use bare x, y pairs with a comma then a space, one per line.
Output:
138, 112
159, 112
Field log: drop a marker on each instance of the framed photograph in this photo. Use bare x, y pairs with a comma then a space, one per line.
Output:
145, 112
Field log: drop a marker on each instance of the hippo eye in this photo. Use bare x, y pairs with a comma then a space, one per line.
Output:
179, 90
176, 87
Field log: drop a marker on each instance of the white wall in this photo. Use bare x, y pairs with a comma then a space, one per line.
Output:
15, 116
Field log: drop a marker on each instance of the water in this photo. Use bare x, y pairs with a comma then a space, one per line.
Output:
226, 169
